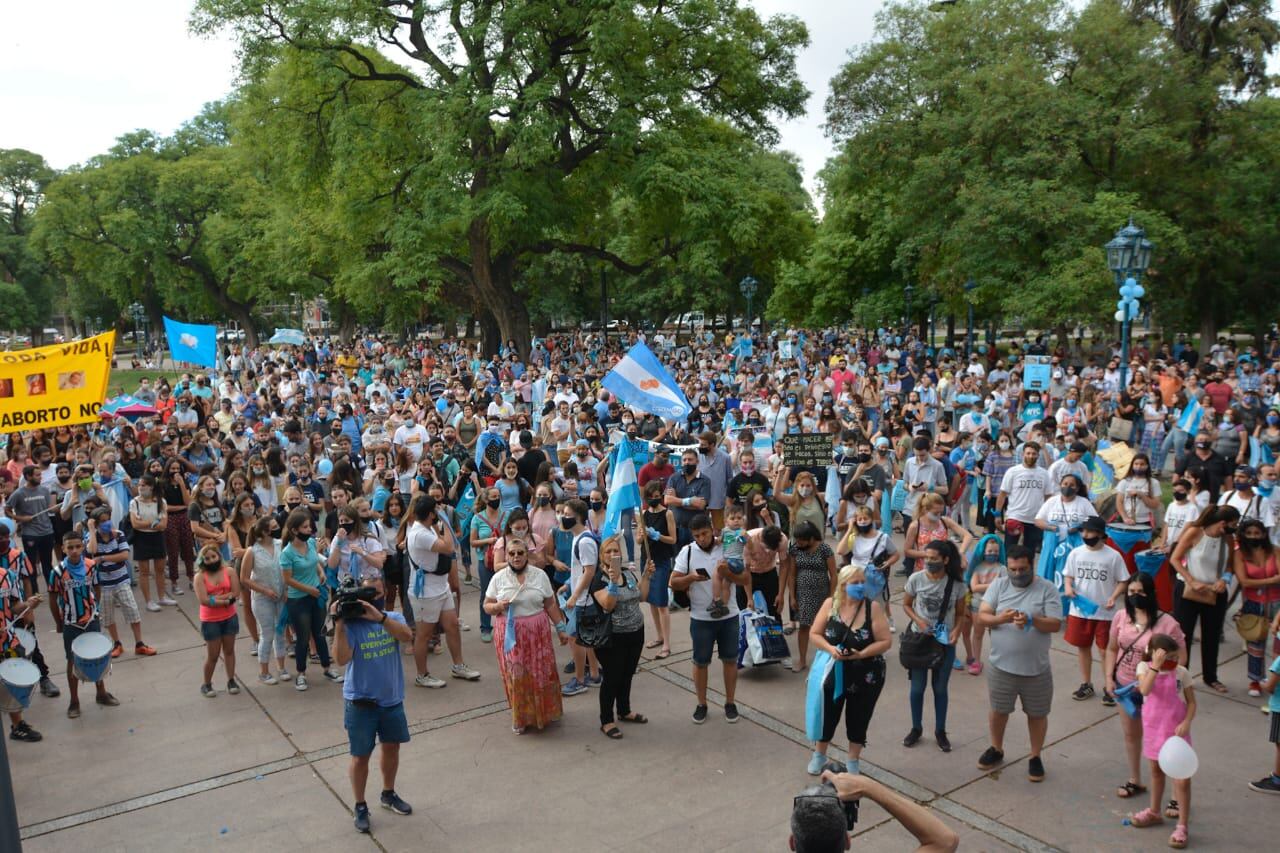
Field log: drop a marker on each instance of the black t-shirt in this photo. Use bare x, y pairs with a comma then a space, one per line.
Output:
742, 485
529, 463
1211, 472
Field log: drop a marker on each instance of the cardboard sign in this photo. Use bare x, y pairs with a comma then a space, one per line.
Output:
57, 385
807, 450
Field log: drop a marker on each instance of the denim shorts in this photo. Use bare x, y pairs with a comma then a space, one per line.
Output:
708, 633
212, 631
363, 722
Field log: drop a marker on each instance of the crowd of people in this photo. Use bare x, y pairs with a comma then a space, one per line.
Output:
1006, 504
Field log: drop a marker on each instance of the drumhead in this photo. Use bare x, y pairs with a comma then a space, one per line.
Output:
20, 673
27, 639
91, 646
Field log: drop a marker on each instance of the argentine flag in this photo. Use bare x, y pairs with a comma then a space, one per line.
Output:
644, 384
624, 491
1189, 420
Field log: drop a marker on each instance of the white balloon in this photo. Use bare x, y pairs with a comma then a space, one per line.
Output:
1177, 759
1120, 316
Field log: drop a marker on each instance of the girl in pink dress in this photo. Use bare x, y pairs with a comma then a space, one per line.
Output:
1168, 707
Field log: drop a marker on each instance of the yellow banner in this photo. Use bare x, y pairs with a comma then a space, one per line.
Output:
56, 385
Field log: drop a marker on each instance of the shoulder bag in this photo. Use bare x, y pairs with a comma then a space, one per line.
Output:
920, 650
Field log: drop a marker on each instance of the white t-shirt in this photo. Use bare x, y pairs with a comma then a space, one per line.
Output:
419, 541
1027, 489
1058, 511
411, 438
355, 565
1128, 490
1095, 575
690, 559
1256, 506
586, 552
1062, 467
1176, 517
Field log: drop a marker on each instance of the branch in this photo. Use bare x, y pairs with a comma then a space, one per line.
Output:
547, 247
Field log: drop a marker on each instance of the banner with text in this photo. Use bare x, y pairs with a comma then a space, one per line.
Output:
54, 386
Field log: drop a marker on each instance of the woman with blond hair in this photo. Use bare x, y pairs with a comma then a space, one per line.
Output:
850, 636
260, 574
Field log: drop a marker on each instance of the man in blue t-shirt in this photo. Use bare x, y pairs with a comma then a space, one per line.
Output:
374, 692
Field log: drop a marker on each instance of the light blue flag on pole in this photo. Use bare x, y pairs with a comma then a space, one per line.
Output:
641, 381
192, 342
1189, 420
624, 490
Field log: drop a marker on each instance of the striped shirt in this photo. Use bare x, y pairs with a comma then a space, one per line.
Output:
10, 594
111, 574
76, 600
994, 467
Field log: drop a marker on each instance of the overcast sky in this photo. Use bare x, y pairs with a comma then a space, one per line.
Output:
131, 64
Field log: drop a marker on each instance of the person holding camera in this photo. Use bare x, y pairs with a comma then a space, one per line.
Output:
822, 816
367, 642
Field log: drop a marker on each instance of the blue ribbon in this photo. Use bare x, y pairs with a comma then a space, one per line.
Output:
509, 636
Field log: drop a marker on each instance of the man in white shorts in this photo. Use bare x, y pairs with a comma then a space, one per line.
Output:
429, 593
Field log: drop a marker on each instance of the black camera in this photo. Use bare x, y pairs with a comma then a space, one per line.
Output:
350, 596
850, 806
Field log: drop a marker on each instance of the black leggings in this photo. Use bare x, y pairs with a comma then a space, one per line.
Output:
1212, 618
618, 659
860, 706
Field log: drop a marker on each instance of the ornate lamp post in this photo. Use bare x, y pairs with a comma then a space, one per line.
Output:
1128, 255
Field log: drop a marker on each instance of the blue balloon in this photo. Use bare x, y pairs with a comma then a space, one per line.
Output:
1134, 310
1138, 291
1122, 304
1127, 291
325, 468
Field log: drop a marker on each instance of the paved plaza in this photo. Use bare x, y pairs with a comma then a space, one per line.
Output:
266, 770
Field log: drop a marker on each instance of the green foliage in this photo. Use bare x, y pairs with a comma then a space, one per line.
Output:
27, 286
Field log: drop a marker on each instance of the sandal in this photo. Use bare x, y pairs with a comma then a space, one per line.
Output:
634, 718
1179, 838
613, 733
662, 655
1171, 810
1220, 687
1129, 789
653, 644
1146, 817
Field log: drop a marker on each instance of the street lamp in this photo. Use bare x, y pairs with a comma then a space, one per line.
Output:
969, 287
907, 291
138, 313
748, 286
1128, 255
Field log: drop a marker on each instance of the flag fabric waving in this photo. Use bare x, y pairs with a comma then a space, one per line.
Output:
1189, 420
624, 489
192, 342
641, 381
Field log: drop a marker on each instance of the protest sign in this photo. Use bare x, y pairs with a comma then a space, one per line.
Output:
56, 385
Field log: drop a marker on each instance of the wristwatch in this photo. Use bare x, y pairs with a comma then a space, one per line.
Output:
383, 620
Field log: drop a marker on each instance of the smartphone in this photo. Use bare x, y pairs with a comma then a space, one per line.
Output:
615, 563
702, 573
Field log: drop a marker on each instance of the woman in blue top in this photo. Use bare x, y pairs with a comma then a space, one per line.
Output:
300, 568
513, 491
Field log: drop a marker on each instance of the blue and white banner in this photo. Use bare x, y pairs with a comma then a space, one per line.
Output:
192, 342
1189, 420
624, 489
641, 382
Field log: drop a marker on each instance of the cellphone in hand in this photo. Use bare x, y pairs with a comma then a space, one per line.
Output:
615, 563
702, 573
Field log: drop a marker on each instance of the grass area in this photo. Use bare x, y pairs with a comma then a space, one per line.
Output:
126, 381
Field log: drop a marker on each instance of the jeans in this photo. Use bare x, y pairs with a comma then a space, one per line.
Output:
1175, 440
485, 575
270, 631
307, 620
941, 678
1257, 652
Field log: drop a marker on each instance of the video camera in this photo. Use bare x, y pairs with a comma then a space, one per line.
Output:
349, 598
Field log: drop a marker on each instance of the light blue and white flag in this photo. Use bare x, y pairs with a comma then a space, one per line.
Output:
624, 490
641, 381
1189, 420
192, 342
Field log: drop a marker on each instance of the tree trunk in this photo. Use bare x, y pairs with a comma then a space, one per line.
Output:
1208, 332
494, 278
951, 330
490, 333
471, 327
1064, 336
240, 313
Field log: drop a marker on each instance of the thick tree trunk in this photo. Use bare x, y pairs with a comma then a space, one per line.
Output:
490, 333
240, 313
1208, 332
951, 330
494, 279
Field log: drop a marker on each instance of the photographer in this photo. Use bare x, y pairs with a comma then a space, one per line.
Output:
367, 641
822, 816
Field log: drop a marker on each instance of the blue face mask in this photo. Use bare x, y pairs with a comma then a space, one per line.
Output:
856, 591
1265, 487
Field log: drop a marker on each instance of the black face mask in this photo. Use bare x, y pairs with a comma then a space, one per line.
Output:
655, 502
1253, 541
1068, 491
567, 522
1179, 496
543, 500
1139, 601
1092, 541
862, 526
493, 504
596, 504
689, 469
864, 458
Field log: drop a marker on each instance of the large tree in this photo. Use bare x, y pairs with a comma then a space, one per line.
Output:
527, 114
26, 283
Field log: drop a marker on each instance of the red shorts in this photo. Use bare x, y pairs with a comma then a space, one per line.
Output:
1080, 631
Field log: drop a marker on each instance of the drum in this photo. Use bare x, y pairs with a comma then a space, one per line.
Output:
91, 654
26, 639
18, 678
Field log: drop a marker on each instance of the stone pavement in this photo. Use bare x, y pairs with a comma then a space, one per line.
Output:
266, 770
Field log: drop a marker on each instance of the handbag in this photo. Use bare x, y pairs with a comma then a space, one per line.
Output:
1251, 627
1127, 694
595, 624
920, 650
1208, 596
1120, 429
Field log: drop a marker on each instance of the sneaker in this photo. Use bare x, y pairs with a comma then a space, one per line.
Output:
573, 688
429, 680
730, 712
48, 688
117, 650
944, 742
1255, 689
593, 681
486, 636
144, 650
975, 668
362, 817
817, 761
300, 683
1269, 785
568, 668
466, 673
168, 602
253, 649
391, 801
463, 626
153, 606
990, 759
958, 664
106, 700
1108, 699
700, 714
334, 676
175, 591
1085, 691
267, 678
912, 738
232, 686
1035, 769
23, 731
207, 691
